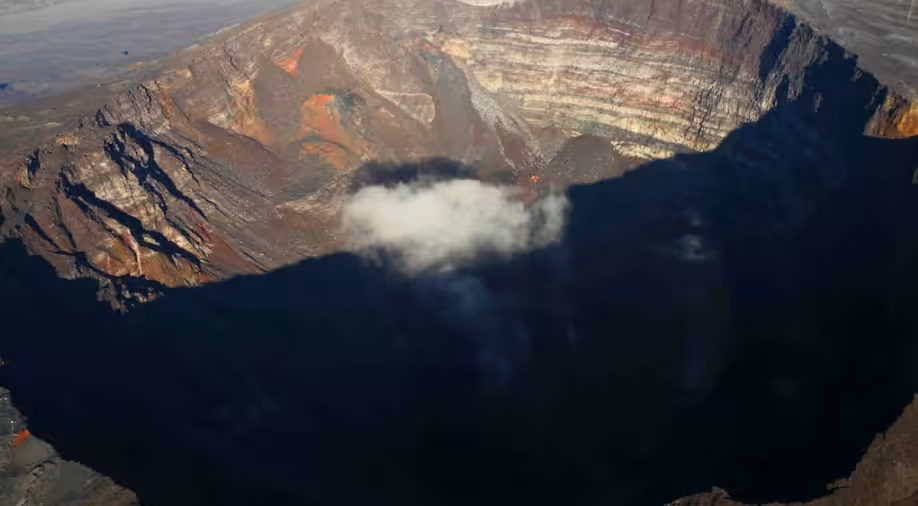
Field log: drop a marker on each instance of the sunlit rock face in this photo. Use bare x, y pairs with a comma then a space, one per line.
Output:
654, 81
884, 36
896, 119
235, 156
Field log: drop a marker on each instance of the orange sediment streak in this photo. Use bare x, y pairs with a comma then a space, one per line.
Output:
319, 118
290, 63
21, 436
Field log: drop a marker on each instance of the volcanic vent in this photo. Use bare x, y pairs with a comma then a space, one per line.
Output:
696, 223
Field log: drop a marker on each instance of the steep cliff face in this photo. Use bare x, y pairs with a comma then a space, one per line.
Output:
31, 471
234, 157
653, 78
881, 32
887, 475
896, 119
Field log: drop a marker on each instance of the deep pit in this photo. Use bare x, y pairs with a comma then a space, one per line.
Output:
728, 303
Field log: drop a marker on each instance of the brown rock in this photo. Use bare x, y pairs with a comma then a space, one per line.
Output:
198, 173
886, 476
31, 472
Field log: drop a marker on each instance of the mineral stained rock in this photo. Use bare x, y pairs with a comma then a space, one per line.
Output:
31, 471
233, 158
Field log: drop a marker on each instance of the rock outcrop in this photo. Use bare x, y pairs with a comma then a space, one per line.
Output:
232, 158
881, 32
886, 476
896, 119
31, 471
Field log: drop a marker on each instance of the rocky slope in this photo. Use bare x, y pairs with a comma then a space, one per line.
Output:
31, 471
887, 475
882, 32
229, 160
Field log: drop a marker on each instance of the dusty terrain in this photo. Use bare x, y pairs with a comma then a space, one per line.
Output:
48, 47
883, 33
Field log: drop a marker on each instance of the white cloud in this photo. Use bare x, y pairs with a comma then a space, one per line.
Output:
448, 224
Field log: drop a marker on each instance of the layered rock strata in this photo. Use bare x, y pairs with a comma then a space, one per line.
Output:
234, 157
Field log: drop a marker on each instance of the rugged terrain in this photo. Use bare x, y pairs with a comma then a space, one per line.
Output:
31, 472
882, 32
886, 475
48, 47
729, 303
229, 160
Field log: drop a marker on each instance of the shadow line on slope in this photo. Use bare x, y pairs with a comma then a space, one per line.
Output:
738, 318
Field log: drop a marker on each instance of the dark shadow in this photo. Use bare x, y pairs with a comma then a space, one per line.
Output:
431, 171
739, 318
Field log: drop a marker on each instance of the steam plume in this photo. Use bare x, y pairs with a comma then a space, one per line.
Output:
436, 227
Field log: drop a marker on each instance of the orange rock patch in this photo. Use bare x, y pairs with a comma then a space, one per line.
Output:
20, 437
906, 122
290, 63
897, 118
333, 154
325, 138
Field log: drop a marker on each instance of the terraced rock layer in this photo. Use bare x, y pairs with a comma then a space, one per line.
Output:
234, 157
